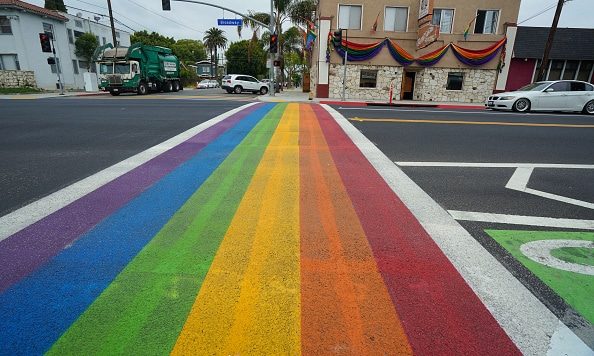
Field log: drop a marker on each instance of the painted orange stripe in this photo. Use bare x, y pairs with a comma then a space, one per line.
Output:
345, 306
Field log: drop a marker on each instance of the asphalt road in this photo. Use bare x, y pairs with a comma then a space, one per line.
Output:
48, 144
456, 157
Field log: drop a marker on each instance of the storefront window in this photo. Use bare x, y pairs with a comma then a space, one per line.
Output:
585, 73
368, 78
570, 70
455, 80
556, 69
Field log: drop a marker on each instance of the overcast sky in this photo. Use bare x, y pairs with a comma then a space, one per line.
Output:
190, 20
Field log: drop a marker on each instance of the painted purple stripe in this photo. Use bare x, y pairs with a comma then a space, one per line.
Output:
26, 250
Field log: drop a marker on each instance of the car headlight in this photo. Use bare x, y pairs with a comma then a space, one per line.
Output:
506, 98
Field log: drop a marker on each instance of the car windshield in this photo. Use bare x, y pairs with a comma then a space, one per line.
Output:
535, 86
204, 82
122, 68
106, 68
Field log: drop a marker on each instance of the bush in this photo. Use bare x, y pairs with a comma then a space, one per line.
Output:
188, 77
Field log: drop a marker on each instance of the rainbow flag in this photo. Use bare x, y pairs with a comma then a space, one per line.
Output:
263, 232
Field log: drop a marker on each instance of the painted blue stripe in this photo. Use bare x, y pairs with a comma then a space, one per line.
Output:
35, 312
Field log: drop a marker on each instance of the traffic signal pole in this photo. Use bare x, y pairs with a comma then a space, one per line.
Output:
51, 36
346, 59
271, 55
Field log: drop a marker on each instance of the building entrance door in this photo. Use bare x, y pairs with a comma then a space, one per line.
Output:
408, 86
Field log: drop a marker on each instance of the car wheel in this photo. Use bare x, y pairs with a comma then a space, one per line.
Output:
142, 89
114, 93
238, 89
263, 90
522, 105
589, 108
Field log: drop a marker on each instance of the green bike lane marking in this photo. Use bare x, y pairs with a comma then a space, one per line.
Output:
576, 289
145, 307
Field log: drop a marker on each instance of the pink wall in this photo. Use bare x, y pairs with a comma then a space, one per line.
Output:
520, 73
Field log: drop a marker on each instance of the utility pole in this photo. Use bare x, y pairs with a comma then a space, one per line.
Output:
271, 55
113, 31
346, 59
544, 65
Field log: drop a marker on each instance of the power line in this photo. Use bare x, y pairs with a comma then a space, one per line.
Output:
550, 7
119, 14
165, 17
100, 14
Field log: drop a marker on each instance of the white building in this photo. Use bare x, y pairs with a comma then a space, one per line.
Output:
20, 49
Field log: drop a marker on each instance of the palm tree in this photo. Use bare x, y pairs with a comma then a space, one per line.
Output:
299, 12
214, 39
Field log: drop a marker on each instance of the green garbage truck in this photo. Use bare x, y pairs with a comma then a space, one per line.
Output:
137, 69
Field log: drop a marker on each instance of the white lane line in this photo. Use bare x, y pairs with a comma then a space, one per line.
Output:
522, 220
565, 342
494, 165
29, 214
469, 111
519, 180
551, 196
527, 321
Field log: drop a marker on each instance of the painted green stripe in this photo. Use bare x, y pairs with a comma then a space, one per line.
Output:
575, 288
144, 309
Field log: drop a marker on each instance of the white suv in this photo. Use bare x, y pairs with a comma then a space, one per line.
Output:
238, 83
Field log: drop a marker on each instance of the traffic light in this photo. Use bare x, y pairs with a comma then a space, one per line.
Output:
337, 39
273, 43
166, 5
44, 39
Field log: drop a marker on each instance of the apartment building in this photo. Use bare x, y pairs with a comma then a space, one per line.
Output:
429, 50
20, 49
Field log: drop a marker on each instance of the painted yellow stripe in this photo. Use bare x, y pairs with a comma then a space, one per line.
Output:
454, 122
249, 302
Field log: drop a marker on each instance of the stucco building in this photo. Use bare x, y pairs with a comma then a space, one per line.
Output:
418, 46
20, 50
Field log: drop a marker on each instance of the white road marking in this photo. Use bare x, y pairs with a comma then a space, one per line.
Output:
526, 319
519, 180
469, 111
522, 220
29, 214
539, 251
495, 165
565, 342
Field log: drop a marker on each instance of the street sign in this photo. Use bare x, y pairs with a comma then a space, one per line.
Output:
230, 22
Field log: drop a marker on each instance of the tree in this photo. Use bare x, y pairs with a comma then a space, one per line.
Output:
55, 5
295, 66
152, 39
189, 51
214, 39
246, 57
85, 47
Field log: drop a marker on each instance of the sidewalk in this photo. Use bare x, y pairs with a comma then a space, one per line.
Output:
296, 95
47, 95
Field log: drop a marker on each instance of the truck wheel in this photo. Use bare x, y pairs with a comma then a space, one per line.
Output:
238, 89
142, 89
114, 93
176, 86
263, 90
168, 87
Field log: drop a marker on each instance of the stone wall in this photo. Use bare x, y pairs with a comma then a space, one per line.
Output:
430, 83
385, 74
477, 85
17, 79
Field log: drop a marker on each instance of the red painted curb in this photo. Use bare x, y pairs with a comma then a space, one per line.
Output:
344, 103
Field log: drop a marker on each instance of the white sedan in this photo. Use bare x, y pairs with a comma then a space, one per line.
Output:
560, 95
207, 84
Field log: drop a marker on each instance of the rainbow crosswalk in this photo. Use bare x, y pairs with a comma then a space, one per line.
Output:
267, 233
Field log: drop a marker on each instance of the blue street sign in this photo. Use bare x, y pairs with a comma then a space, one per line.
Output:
230, 22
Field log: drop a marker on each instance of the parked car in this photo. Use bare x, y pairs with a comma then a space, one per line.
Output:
276, 85
207, 84
559, 95
238, 83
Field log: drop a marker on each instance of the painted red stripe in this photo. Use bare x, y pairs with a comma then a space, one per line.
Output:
439, 311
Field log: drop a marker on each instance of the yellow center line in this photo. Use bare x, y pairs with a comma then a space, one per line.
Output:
457, 122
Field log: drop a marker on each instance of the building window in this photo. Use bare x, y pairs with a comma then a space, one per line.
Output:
444, 18
368, 78
97, 37
395, 19
486, 21
104, 41
349, 17
53, 66
455, 80
556, 70
77, 34
117, 34
585, 73
9, 62
570, 69
5, 28
48, 28
70, 36
75, 66
83, 65
78, 23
